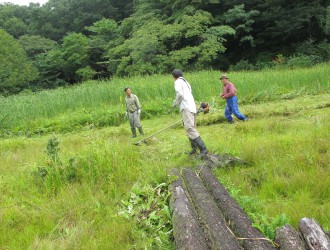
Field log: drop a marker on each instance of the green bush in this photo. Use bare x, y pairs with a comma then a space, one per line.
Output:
242, 65
303, 61
51, 178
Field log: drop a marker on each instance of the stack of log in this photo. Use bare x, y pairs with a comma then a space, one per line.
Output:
205, 216
310, 236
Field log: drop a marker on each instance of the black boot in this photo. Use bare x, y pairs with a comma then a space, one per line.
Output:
200, 144
133, 132
140, 130
193, 146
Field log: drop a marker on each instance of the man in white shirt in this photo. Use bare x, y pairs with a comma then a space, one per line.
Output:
185, 100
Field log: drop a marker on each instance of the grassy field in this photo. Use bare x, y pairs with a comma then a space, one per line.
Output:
71, 178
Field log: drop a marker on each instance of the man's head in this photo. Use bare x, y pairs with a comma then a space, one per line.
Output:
177, 73
128, 91
224, 78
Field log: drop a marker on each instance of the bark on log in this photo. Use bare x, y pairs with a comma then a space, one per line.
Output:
188, 234
235, 216
288, 239
211, 218
313, 234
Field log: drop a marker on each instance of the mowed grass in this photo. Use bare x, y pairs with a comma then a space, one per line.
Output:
101, 103
285, 141
289, 161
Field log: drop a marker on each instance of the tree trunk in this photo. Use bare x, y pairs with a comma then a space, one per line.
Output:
314, 236
211, 217
288, 239
188, 234
235, 216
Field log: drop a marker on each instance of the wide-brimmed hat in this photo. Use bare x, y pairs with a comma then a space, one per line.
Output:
224, 77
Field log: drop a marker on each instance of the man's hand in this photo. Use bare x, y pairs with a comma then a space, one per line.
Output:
139, 111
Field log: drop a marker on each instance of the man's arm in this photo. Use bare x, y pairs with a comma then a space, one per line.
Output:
179, 94
137, 102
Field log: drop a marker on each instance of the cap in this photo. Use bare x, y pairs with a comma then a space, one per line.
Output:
224, 77
177, 73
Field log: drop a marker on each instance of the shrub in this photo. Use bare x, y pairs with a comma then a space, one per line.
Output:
303, 61
242, 65
56, 174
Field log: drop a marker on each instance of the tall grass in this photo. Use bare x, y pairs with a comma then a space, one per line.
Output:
96, 190
102, 103
41, 210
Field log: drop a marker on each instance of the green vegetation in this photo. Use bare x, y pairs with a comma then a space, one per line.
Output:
69, 42
100, 103
71, 178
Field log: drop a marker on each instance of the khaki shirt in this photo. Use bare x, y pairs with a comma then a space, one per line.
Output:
132, 103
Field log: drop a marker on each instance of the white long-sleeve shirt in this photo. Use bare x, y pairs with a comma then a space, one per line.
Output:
184, 98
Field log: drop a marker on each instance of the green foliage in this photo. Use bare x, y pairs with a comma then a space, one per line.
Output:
266, 225
52, 150
103, 27
50, 68
242, 22
242, 65
302, 61
35, 45
327, 21
96, 104
148, 207
86, 73
14, 26
67, 63
127, 38
108, 204
16, 71
75, 49
55, 175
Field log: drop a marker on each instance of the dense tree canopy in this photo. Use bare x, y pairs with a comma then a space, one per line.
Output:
16, 71
74, 40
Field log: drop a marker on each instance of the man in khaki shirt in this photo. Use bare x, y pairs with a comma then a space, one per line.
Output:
133, 110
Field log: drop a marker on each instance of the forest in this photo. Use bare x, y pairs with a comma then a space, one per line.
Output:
65, 42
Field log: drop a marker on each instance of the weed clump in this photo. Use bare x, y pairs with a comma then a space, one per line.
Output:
55, 174
148, 206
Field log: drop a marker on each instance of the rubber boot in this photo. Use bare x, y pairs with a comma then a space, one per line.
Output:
140, 130
193, 146
200, 144
133, 132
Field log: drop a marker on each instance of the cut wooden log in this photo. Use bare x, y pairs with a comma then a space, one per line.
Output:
210, 216
237, 219
313, 234
187, 231
288, 239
